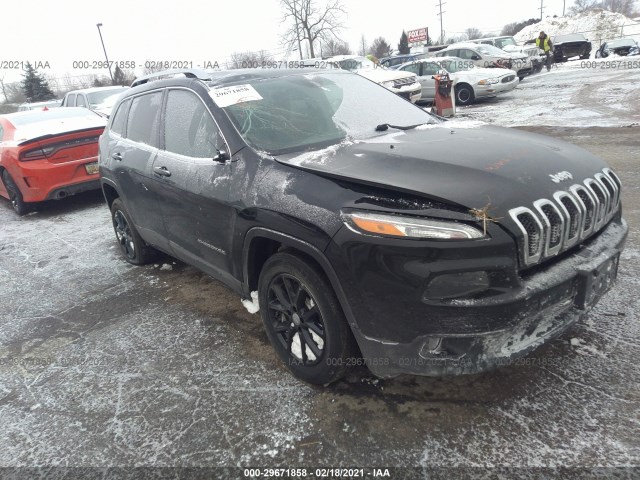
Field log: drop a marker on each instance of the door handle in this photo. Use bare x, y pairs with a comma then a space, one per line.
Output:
162, 171
117, 156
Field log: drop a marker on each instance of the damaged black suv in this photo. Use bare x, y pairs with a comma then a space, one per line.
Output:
373, 232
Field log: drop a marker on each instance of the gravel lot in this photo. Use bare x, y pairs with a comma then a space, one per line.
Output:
103, 364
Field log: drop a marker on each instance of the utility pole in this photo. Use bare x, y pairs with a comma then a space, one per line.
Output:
564, 4
541, 8
105, 51
439, 5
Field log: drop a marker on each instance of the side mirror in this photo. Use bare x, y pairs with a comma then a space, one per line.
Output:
476, 57
222, 156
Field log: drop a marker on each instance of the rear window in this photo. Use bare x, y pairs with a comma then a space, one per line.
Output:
36, 116
144, 117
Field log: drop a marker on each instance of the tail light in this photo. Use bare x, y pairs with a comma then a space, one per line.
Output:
48, 151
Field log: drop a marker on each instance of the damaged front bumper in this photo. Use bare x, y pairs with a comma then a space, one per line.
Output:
548, 301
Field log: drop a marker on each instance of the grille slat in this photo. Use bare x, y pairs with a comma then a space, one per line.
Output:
572, 216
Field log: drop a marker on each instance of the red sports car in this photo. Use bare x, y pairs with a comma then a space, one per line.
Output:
49, 154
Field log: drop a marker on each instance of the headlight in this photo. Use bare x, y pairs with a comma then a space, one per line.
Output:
387, 84
488, 81
408, 227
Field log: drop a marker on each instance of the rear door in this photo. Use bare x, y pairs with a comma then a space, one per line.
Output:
132, 149
192, 187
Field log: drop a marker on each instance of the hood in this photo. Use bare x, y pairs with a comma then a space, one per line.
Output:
452, 163
476, 74
379, 75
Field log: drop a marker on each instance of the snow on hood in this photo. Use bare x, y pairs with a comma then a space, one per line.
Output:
379, 75
476, 74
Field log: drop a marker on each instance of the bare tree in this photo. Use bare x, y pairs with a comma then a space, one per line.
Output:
472, 33
4, 90
249, 59
380, 48
14, 92
310, 23
332, 47
363, 47
625, 7
581, 6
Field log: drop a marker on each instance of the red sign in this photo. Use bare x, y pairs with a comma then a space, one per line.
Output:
419, 35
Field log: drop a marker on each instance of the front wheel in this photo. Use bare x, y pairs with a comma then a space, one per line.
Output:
15, 196
132, 246
464, 94
304, 321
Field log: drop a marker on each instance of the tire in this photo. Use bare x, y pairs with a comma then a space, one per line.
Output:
15, 196
304, 321
464, 94
132, 246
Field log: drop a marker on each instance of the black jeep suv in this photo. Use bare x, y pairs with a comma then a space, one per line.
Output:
373, 232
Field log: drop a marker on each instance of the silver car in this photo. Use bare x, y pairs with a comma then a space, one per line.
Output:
488, 56
469, 82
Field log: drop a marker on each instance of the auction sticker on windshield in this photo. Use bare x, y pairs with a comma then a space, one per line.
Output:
233, 95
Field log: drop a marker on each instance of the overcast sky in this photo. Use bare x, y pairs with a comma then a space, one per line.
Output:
198, 31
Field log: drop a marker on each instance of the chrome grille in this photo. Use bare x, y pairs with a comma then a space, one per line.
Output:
554, 225
400, 82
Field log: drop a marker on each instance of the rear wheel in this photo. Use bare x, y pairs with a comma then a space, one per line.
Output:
132, 246
304, 321
464, 94
15, 196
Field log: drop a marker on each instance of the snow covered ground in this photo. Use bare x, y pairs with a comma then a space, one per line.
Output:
597, 25
578, 93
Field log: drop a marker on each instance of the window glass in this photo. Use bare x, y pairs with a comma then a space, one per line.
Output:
117, 125
80, 101
189, 128
413, 68
1, 133
71, 101
464, 53
431, 69
144, 117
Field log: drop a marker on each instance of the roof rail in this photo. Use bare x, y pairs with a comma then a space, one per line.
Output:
187, 72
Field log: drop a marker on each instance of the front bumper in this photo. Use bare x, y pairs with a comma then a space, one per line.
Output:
411, 92
495, 88
476, 334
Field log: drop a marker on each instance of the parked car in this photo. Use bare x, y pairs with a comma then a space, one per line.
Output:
571, 45
369, 231
100, 99
508, 43
470, 82
394, 61
404, 84
619, 46
25, 107
48, 155
488, 56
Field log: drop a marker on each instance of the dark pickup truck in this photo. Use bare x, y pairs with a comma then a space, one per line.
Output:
571, 45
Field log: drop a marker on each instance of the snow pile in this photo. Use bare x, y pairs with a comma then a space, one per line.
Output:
597, 25
252, 305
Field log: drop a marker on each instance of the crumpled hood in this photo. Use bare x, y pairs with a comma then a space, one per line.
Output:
450, 162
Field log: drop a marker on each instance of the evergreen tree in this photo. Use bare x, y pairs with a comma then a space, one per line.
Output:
403, 46
119, 77
34, 86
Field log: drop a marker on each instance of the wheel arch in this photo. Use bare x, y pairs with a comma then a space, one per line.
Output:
260, 243
110, 193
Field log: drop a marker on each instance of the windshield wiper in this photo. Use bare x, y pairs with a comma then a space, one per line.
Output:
386, 126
